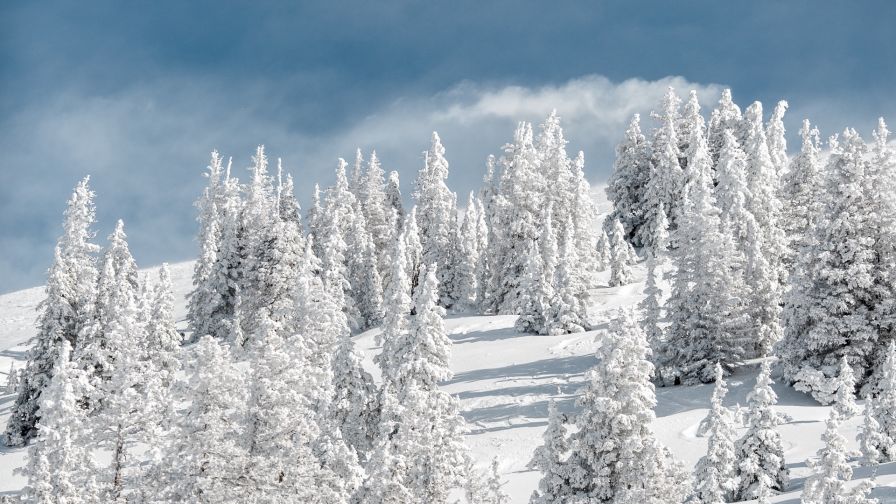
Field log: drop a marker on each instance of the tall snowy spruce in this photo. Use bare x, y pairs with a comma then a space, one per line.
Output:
59, 462
801, 188
64, 313
437, 219
622, 256
549, 459
885, 402
715, 478
627, 186
725, 117
830, 308
614, 453
204, 297
831, 472
760, 452
666, 180
703, 307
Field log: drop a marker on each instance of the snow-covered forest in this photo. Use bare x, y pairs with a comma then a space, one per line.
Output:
315, 357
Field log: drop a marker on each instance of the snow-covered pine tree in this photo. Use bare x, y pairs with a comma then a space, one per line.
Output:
873, 442
715, 478
204, 297
204, 447
777, 141
395, 323
801, 193
831, 472
355, 407
377, 209
885, 401
59, 467
468, 260
437, 218
830, 307
483, 264
583, 222
393, 200
726, 117
536, 284
356, 180
614, 449
280, 428
288, 206
652, 308
314, 218
666, 179
337, 221
567, 311
12, 379
218, 297
519, 206
760, 452
65, 311
602, 248
688, 120
162, 338
703, 306
549, 459
363, 273
845, 396
628, 183
621, 257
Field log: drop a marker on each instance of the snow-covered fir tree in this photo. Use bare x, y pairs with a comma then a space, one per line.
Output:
203, 450
567, 312
59, 467
604, 253
801, 187
831, 472
666, 179
468, 260
610, 457
845, 396
725, 117
204, 297
622, 256
12, 379
549, 459
393, 199
314, 220
377, 210
363, 274
437, 219
64, 313
355, 408
536, 284
162, 337
874, 444
829, 312
885, 400
715, 478
760, 452
703, 305
628, 183
777, 140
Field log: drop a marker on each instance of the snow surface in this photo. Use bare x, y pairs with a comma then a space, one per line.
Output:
504, 381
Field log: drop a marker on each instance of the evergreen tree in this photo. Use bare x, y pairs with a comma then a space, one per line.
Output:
393, 199
537, 288
726, 117
872, 441
354, 409
314, 217
621, 257
549, 460
567, 312
613, 451
885, 401
162, 338
204, 296
666, 179
437, 219
203, 449
604, 253
831, 471
703, 306
356, 180
363, 274
715, 475
760, 452
845, 397
64, 313
777, 141
583, 223
12, 379
830, 307
377, 211
468, 260
801, 192
59, 464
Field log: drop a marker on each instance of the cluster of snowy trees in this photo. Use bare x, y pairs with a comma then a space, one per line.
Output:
703, 201
766, 255
269, 401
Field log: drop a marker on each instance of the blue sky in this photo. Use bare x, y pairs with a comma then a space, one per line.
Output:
136, 94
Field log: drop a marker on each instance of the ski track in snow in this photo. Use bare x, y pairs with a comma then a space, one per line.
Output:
504, 381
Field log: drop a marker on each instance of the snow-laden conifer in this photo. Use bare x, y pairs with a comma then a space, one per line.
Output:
622, 257
831, 472
567, 311
614, 450
845, 396
628, 183
666, 179
393, 199
777, 140
59, 467
64, 313
874, 444
885, 401
437, 218
801, 189
468, 260
377, 210
12, 379
703, 305
725, 117
760, 452
715, 478
162, 337
549, 460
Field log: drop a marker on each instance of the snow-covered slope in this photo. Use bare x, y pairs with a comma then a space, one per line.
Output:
504, 381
